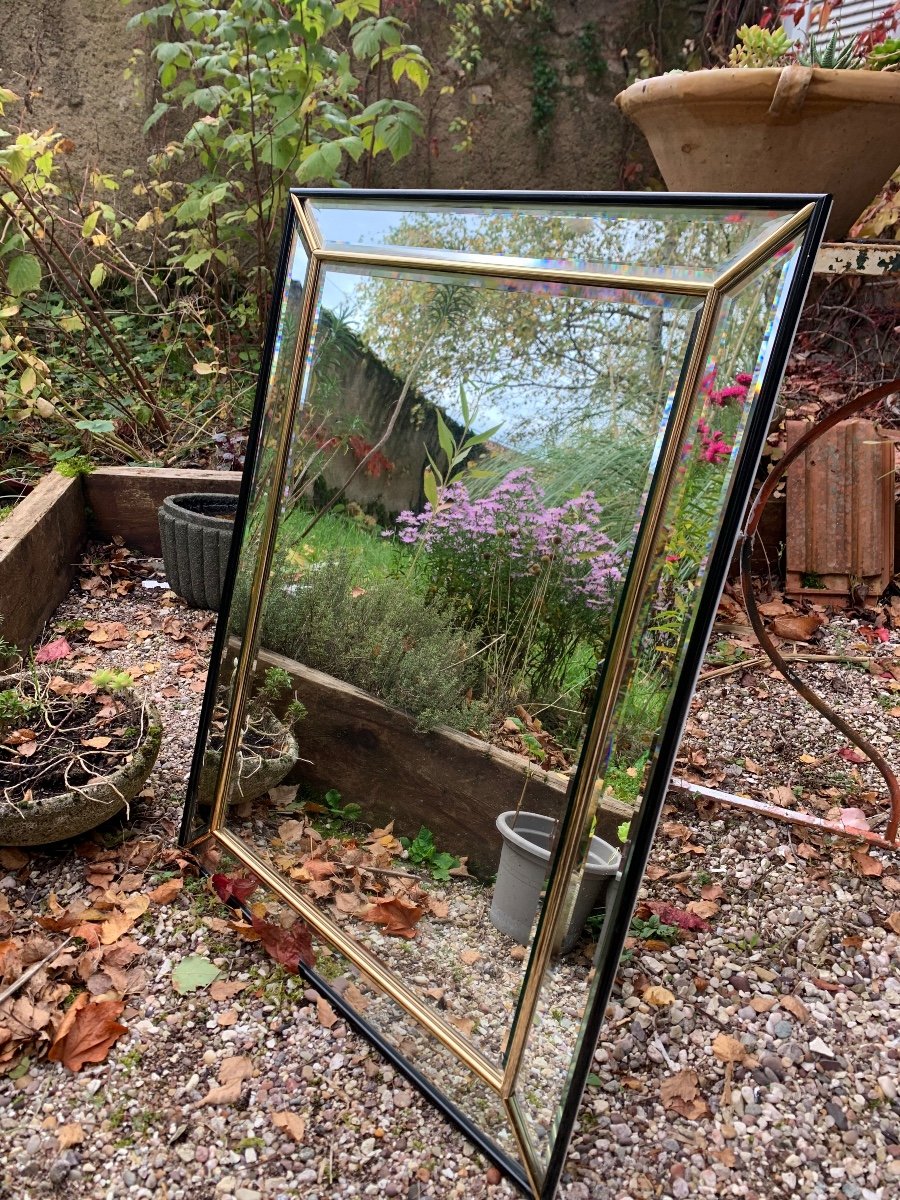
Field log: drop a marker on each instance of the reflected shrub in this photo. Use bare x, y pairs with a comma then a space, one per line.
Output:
538, 580
386, 638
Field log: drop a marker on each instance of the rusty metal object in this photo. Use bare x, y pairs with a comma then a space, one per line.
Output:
746, 548
840, 514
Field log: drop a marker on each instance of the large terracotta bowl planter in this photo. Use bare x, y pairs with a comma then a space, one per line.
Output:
791, 129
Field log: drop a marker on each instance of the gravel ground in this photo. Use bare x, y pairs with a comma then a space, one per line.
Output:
797, 972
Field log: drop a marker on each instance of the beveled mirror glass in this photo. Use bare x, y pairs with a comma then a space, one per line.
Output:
501, 449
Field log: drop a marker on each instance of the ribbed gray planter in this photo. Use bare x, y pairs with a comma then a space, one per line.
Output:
70, 814
524, 865
196, 530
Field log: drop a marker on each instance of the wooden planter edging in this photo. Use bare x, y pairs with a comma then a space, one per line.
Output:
454, 784
123, 501
40, 543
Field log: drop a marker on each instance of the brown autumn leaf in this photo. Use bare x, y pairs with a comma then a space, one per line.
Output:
87, 1031
236, 1069
728, 1049
53, 651
227, 1094
680, 1093
396, 914
290, 947
891, 883
893, 922
166, 892
703, 908
465, 1025
70, 1135
654, 872
224, 989
470, 956
291, 1123
712, 891
763, 1004
795, 1006
96, 743
355, 998
348, 902
799, 628
658, 996
12, 858
868, 866
326, 1014
227, 1018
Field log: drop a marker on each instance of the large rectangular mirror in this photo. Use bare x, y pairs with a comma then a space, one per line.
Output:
501, 451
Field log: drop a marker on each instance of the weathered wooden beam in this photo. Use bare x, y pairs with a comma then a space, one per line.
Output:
40, 544
454, 784
124, 501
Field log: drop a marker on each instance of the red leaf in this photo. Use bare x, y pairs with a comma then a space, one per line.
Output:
53, 651
290, 947
670, 915
234, 887
853, 756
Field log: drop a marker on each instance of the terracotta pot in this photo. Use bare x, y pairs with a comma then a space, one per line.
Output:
791, 129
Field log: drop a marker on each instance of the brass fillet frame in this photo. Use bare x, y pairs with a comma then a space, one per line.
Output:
502, 1081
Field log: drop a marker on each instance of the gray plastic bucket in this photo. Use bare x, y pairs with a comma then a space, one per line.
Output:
524, 864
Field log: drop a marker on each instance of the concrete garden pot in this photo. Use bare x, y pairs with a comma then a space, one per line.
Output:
257, 772
773, 129
196, 530
47, 819
524, 865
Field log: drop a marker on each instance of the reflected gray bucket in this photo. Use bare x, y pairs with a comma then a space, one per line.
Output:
524, 863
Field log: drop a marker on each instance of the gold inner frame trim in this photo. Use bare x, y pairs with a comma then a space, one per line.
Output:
502, 1081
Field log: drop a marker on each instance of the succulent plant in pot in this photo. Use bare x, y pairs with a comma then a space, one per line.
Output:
820, 116
268, 748
74, 752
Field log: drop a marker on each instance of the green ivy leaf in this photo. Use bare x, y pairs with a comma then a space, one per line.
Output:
192, 973
23, 274
98, 425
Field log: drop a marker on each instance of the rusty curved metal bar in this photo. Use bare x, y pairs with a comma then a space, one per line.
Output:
746, 548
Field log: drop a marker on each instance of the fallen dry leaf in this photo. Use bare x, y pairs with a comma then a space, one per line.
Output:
893, 922
227, 1094
797, 629
87, 1031
167, 891
236, 1069
53, 651
703, 908
728, 1049
470, 956
70, 1135
867, 865
763, 1004
796, 1007
290, 947
292, 1124
658, 996
326, 1014
224, 989
396, 914
680, 1093
355, 998
712, 891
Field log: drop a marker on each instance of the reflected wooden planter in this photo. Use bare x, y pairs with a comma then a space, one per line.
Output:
453, 783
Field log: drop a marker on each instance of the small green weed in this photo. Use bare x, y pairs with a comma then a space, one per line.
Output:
423, 851
653, 928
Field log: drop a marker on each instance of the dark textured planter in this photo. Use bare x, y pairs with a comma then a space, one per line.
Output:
70, 814
195, 530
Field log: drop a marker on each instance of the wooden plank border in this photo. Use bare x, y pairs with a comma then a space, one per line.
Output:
40, 544
123, 501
